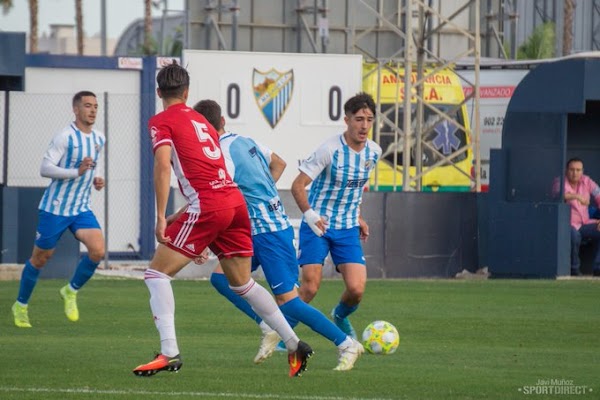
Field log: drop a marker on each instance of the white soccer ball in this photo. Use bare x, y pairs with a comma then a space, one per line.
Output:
380, 337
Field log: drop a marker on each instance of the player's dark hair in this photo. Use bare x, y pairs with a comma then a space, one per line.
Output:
172, 80
211, 111
572, 160
79, 95
360, 101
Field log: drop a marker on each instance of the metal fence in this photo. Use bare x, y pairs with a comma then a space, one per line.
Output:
33, 119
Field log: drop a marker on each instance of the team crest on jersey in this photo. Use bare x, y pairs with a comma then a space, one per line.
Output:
368, 165
273, 92
153, 132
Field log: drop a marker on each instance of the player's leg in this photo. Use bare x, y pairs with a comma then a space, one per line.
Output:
49, 230
277, 256
347, 255
164, 265
233, 248
220, 283
313, 250
269, 337
355, 278
86, 229
29, 278
349, 349
237, 270
191, 233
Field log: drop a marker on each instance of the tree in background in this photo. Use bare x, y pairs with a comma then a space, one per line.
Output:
33, 26
79, 26
540, 44
33, 21
6, 6
174, 44
149, 47
569, 11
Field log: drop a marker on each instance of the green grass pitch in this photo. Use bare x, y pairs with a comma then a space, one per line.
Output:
495, 339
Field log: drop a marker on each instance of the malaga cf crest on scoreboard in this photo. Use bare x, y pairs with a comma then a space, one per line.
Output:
272, 92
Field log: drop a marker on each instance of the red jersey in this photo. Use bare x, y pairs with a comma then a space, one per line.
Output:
196, 158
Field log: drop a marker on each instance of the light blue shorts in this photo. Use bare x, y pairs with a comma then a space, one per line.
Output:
51, 227
275, 252
343, 244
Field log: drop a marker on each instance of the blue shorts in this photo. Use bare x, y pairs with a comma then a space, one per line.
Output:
51, 227
275, 252
343, 244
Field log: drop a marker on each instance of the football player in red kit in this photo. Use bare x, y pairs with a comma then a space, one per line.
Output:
216, 217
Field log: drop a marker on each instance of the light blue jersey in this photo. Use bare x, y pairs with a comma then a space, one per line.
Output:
69, 197
339, 175
248, 164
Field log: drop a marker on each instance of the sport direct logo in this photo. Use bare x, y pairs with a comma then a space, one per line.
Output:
556, 387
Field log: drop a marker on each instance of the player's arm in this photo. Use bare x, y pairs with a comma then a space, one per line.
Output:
299, 191
363, 227
314, 220
173, 217
50, 170
162, 180
276, 166
52, 157
99, 174
53, 171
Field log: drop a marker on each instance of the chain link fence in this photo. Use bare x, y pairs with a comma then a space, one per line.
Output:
33, 119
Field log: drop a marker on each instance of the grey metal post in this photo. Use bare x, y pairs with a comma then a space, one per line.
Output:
408, 48
186, 25
299, 26
5, 151
162, 27
235, 11
107, 185
103, 27
325, 35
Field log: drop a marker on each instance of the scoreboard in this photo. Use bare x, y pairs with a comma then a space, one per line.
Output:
289, 102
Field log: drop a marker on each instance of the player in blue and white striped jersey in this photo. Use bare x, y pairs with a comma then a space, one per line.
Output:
71, 161
338, 170
252, 165
256, 169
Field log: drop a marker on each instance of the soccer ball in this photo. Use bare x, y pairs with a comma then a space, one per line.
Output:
380, 337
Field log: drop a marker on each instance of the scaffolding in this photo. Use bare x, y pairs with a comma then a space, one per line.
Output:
417, 24
409, 32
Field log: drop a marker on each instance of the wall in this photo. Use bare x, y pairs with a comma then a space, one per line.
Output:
44, 108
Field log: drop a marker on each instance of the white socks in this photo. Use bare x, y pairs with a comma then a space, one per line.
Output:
346, 343
264, 327
264, 305
162, 304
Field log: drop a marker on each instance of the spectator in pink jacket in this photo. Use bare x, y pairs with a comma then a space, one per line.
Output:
579, 190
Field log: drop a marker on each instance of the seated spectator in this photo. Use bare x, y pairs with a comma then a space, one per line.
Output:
579, 189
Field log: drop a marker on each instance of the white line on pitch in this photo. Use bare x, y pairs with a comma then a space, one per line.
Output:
175, 394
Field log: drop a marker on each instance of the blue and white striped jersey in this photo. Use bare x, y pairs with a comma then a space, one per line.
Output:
248, 164
339, 175
69, 197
